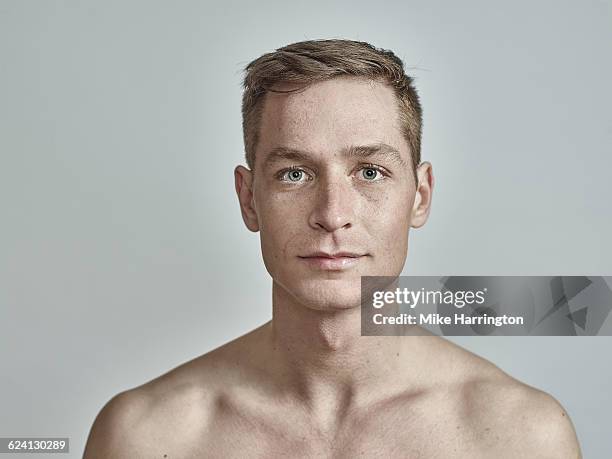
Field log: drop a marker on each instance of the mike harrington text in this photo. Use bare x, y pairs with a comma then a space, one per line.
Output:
454, 319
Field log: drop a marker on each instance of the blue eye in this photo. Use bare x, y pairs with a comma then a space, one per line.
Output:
293, 175
369, 173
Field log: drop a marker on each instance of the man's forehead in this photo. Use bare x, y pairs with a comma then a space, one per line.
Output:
333, 114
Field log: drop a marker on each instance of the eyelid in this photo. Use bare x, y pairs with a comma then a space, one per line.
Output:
279, 175
380, 169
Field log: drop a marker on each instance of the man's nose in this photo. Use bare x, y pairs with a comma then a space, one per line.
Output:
334, 207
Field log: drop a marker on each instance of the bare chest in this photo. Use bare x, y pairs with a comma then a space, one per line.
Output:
395, 433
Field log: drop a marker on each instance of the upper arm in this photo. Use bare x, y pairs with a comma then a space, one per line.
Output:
111, 433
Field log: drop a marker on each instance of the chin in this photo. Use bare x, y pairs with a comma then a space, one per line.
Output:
329, 294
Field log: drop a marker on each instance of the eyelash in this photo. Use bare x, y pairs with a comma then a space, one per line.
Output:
282, 172
380, 169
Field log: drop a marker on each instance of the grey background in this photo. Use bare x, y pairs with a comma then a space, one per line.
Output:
122, 250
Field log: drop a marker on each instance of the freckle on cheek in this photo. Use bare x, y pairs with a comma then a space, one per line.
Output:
372, 196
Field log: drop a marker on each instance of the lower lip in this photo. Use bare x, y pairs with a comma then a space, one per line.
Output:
338, 263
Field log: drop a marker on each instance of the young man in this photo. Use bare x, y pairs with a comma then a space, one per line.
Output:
332, 136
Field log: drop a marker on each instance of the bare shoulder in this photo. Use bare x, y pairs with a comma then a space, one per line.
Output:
522, 419
145, 421
110, 435
168, 413
509, 418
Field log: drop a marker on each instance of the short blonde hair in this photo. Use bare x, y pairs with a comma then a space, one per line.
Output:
311, 61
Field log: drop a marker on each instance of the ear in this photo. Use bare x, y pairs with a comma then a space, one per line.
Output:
243, 178
422, 199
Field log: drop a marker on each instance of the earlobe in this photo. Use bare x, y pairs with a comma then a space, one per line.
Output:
243, 179
422, 199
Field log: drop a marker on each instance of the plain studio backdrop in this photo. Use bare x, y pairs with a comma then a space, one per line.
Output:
122, 249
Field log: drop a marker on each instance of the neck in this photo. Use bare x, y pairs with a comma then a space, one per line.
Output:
325, 361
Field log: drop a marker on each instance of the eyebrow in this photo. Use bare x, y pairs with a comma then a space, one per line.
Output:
377, 149
360, 151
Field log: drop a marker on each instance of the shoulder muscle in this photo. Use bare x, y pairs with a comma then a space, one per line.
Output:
111, 435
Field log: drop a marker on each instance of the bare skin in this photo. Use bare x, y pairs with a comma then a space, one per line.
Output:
233, 403
307, 384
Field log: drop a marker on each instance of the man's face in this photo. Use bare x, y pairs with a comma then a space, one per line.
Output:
333, 191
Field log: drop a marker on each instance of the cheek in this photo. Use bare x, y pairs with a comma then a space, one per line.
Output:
388, 222
281, 222
390, 210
